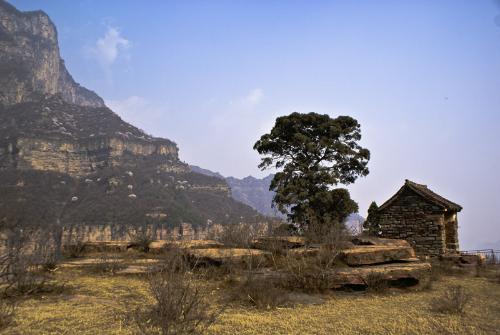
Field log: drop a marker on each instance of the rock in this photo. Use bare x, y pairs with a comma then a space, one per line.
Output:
219, 256
404, 274
274, 242
376, 254
32, 63
104, 246
371, 240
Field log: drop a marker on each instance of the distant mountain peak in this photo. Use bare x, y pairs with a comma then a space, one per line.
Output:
30, 62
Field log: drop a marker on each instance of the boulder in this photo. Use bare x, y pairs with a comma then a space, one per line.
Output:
377, 254
159, 245
103, 246
219, 256
278, 242
404, 274
372, 240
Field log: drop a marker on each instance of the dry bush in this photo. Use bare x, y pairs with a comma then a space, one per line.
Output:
375, 282
311, 270
21, 264
140, 241
259, 293
441, 269
307, 273
7, 313
180, 304
74, 250
246, 287
107, 264
331, 235
453, 301
237, 235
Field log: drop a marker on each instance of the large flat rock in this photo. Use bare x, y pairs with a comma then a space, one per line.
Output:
377, 254
103, 246
372, 240
218, 256
274, 242
340, 277
159, 245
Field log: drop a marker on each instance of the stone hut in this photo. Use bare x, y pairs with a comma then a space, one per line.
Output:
423, 218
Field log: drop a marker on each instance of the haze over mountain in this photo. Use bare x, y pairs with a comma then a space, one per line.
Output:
249, 190
67, 158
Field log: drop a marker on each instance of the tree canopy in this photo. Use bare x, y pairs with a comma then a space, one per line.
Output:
313, 153
371, 225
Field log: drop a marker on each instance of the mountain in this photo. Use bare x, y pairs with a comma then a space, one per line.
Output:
65, 157
30, 63
249, 190
255, 193
206, 172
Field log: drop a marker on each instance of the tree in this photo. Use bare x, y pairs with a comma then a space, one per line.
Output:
313, 153
371, 225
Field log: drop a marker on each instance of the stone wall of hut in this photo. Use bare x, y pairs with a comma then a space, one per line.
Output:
412, 218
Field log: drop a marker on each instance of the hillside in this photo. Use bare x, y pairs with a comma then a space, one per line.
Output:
250, 190
65, 157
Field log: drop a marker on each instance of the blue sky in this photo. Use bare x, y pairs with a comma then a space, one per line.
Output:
422, 78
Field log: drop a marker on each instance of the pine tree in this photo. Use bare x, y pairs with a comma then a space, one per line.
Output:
372, 225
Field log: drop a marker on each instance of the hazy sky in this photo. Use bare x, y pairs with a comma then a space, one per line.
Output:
422, 78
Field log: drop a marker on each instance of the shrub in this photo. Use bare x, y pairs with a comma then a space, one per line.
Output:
74, 250
332, 235
311, 269
107, 264
375, 282
20, 265
7, 313
308, 273
237, 235
453, 301
141, 241
259, 293
180, 305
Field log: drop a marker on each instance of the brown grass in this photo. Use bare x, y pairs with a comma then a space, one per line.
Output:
101, 304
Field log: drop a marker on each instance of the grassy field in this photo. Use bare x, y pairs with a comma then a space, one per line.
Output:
104, 304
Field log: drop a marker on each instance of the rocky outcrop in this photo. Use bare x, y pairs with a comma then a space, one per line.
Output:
30, 62
50, 134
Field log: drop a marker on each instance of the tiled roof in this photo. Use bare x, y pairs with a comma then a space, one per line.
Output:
426, 193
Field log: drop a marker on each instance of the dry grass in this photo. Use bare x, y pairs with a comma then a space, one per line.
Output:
453, 301
98, 304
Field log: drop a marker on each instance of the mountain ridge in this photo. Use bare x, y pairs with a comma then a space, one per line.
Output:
65, 158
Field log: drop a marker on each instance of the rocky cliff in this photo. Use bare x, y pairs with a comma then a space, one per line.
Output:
50, 134
30, 62
65, 158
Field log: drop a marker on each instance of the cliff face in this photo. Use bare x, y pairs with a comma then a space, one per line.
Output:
50, 134
30, 61
65, 158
